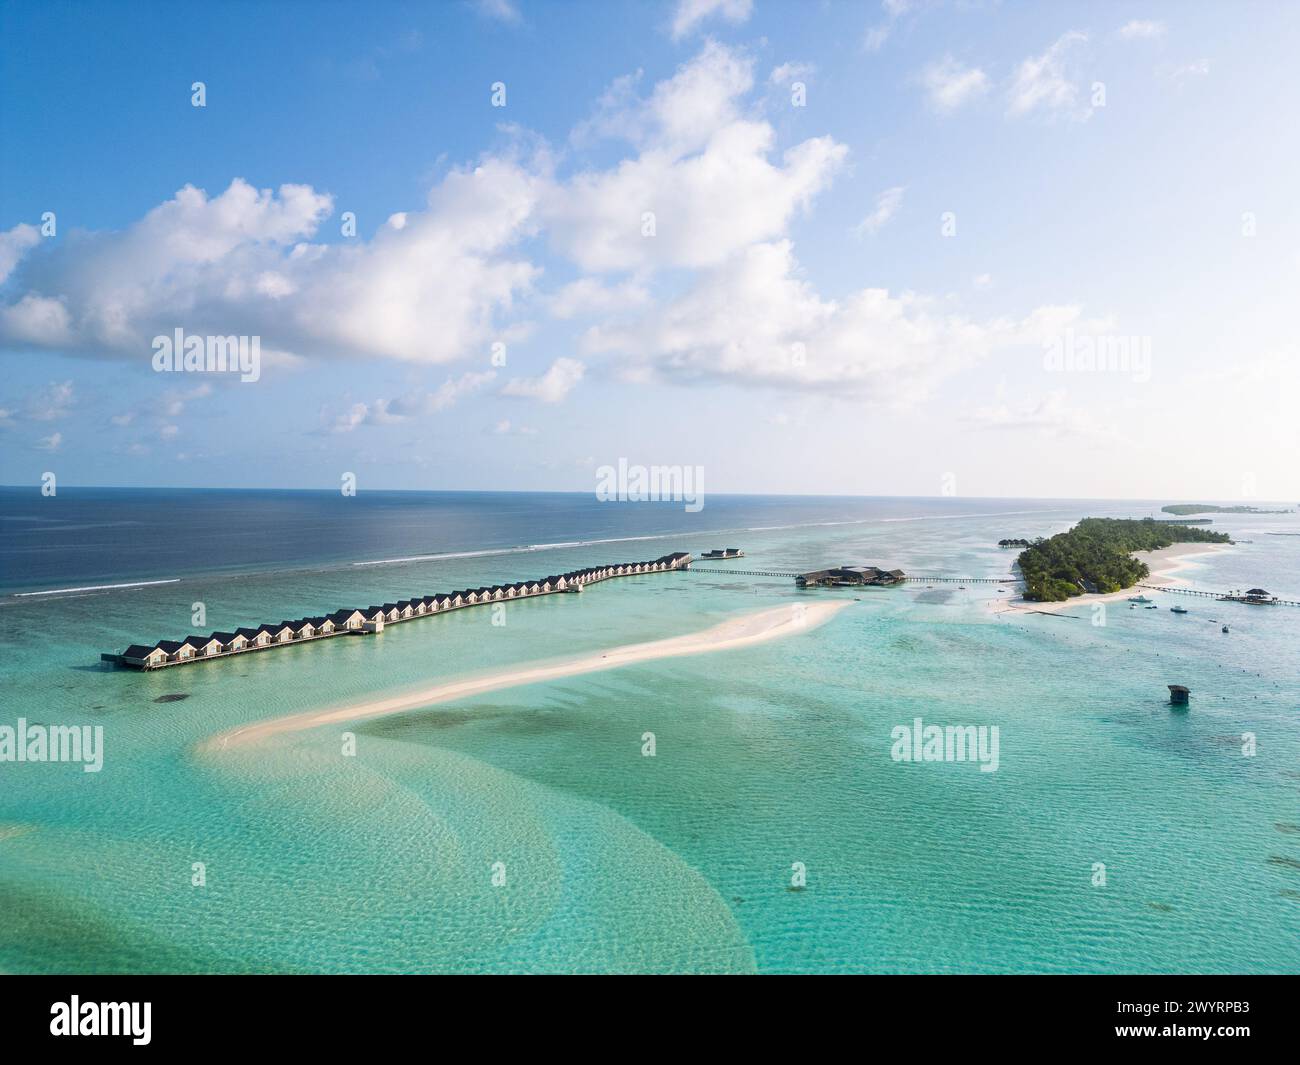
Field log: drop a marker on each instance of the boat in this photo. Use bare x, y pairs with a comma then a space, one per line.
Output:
1225, 628
1152, 606
1177, 610
1138, 599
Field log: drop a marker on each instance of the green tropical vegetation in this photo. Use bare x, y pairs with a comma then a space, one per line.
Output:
1097, 554
1210, 508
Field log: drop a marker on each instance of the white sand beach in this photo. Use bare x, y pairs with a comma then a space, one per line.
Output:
742, 631
1164, 565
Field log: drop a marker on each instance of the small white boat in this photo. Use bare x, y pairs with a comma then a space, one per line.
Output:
1138, 599
1177, 610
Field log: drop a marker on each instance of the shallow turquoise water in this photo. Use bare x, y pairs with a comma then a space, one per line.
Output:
765, 757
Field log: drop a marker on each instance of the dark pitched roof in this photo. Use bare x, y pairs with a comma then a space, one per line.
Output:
139, 650
251, 634
172, 646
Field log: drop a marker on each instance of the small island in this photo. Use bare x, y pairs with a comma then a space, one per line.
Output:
1210, 508
1096, 556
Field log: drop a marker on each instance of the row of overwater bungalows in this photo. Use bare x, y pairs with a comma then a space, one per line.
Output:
372, 618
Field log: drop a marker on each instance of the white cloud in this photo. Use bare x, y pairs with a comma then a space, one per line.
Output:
169, 432
703, 182
752, 321
875, 37
51, 404
506, 428
949, 84
172, 404
50, 443
499, 10
788, 72
1050, 415
1044, 82
690, 13
1141, 28
552, 386
39, 320
14, 244
587, 296
241, 263
414, 405
1178, 74
887, 204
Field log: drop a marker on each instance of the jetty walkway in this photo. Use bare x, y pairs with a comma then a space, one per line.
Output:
1223, 597
792, 575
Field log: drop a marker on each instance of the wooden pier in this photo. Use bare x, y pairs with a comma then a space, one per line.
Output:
744, 572
929, 580
1221, 597
965, 580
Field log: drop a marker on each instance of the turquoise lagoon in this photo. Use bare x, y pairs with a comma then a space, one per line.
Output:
392, 860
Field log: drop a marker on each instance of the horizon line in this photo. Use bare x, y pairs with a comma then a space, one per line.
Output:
575, 492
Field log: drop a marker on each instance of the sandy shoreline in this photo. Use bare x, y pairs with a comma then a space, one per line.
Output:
1164, 565
743, 631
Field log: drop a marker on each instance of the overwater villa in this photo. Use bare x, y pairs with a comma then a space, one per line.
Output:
849, 577
724, 552
373, 618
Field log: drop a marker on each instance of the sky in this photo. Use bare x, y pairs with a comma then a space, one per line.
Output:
911, 248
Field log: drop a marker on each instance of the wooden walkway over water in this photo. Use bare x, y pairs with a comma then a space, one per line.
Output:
742, 572
1223, 597
965, 580
696, 568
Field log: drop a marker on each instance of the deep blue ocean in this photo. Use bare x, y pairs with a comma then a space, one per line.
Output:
106, 535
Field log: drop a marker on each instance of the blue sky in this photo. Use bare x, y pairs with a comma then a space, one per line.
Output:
1112, 174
